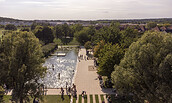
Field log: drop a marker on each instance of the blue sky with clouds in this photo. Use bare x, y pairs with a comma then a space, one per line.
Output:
85, 9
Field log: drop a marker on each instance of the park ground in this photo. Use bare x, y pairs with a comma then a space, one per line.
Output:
85, 79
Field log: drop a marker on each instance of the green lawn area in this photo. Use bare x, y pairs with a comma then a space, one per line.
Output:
91, 98
85, 99
46, 99
80, 99
74, 100
97, 98
102, 97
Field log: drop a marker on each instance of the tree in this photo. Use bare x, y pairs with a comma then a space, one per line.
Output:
82, 36
44, 34
21, 65
25, 29
98, 47
128, 36
109, 56
145, 70
151, 25
1, 94
10, 27
64, 33
88, 45
109, 34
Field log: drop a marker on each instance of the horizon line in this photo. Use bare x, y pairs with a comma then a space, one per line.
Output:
87, 19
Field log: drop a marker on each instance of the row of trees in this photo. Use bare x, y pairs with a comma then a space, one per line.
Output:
136, 64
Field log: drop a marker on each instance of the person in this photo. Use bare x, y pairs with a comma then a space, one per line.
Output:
109, 99
69, 92
53, 67
66, 88
83, 93
59, 75
62, 93
69, 89
35, 101
103, 101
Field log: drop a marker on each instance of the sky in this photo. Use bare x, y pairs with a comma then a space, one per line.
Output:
85, 9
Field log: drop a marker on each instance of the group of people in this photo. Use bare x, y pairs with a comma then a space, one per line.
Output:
70, 91
82, 57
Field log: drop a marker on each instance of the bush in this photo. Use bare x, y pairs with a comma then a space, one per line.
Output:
49, 48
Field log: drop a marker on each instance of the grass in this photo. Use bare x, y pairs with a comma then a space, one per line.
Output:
80, 99
85, 99
7, 99
46, 99
91, 98
74, 100
102, 97
97, 98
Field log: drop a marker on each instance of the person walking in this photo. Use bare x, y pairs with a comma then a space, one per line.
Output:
62, 93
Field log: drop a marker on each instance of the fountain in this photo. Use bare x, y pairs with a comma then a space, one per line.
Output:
60, 70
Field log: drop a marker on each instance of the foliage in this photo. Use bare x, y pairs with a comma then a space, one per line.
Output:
128, 36
146, 68
109, 34
44, 34
151, 25
10, 27
21, 64
88, 45
1, 94
82, 36
98, 47
25, 29
49, 48
2, 26
109, 56
63, 32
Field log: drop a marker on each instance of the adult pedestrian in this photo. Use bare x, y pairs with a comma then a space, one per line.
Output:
62, 93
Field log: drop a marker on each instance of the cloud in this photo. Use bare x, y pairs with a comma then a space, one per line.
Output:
85, 9
2, 0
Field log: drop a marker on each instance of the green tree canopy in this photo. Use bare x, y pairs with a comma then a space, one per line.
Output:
88, 45
44, 34
146, 69
151, 25
109, 56
21, 64
109, 34
128, 36
83, 36
98, 47
10, 27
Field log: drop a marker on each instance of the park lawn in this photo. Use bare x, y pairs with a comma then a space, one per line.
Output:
102, 97
74, 100
85, 99
91, 98
80, 99
46, 99
97, 98
7, 99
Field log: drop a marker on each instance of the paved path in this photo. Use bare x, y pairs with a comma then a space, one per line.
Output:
84, 79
